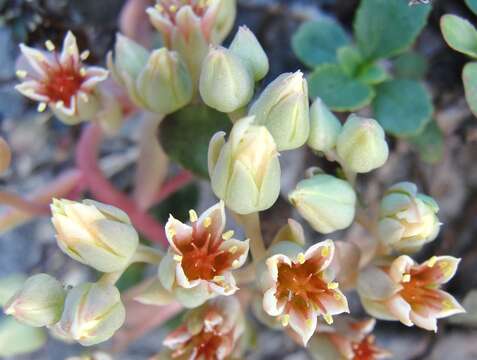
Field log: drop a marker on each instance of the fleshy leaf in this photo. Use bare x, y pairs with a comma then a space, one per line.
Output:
185, 135
16, 338
459, 34
337, 89
316, 42
403, 107
410, 65
387, 27
469, 77
430, 143
472, 4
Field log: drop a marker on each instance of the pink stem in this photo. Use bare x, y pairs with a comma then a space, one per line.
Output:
172, 185
103, 190
22, 204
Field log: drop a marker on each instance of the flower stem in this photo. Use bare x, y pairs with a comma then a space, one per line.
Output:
251, 224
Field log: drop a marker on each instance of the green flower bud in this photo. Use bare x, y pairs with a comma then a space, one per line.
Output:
129, 60
245, 171
94, 234
407, 218
9, 285
247, 47
283, 108
324, 127
164, 85
93, 312
326, 202
226, 83
39, 302
362, 145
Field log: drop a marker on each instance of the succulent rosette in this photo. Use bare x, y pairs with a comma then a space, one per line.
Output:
61, 80
299, 287
210, 332
410, 292
199, 263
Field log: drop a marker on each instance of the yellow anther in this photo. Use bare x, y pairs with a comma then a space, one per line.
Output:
406, 278
328, 318
84, 55
171, 232
432, 261
173, 8
41, 107
49, 45
325, 251
207, 222
233, 249
337, 296
285, 319
235, 263
309, 323
192, 215
333, 285
447, 304
82, 72
177, 258
219, 278
301, 258
21, 74
228, 235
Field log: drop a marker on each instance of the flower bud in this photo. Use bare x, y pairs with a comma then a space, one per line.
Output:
129, 59
93, 312
326, 202
95, 234
245, 171
324, 127
39, 302
164, 85
225, 84
362, 145
283, 108
247, 47
5, 155
407, 218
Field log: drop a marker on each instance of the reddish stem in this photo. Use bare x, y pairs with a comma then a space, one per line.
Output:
102, 189
22, 204
172, 185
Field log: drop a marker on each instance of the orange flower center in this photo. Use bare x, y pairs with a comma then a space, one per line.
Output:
301, 286
62, 82
419, 292
365, 350
202, 257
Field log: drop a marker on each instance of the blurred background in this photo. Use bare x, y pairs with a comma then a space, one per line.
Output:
43, 147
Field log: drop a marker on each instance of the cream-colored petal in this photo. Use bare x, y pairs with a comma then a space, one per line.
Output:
321, 253
225, 286
335, 303
377, 309
213, 220
110, 211
37, 59
374, 283
238, 249
399, 267
425, 322
400, 309
70, 49
29, 89
178, 234
442, 270
94, 75
270, 303
167, 270
303, 325
177, 338
273, 262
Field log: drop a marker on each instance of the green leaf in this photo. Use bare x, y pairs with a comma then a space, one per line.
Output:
185, 135
472, 4
316, 42
132, 276
384, 28
350, 59
459, 34
16, 338
410, 65
469, 77
403, 107
178, 204
337, 89
372, 74
430, 143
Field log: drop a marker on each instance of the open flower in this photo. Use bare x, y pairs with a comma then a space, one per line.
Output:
61, 81
190, 26
348, 339
210, 332
299, 287
410, 292
198, 264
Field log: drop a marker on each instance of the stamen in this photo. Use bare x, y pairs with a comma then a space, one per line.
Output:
233, 249
228, 235
49, 45
159, 8
285, 319
328, 318
21, 74
177, 258
172, 8
325, 251
406, 278
235, 263
301, 258
171, 232
192, 216
84, 55
207, 222
432, 261
333, 285
82, 72
218, 278
41, 107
